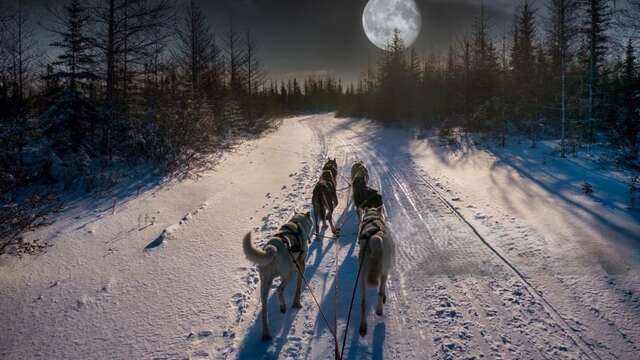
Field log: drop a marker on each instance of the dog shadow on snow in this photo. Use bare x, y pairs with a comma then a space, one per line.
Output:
252, 347
356, 347
289, 344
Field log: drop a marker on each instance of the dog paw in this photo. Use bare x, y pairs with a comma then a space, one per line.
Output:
297, 305
363, 330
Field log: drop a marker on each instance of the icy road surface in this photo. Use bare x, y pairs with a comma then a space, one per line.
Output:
494, 260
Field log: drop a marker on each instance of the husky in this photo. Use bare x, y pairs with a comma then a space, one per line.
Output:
363, 196
376, 257
284, 254
325, 197
331, 165
359, 182
359, 173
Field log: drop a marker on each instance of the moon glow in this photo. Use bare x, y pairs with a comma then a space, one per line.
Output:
382, 17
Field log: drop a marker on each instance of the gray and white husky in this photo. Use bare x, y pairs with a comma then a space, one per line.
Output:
377, 252
282, 256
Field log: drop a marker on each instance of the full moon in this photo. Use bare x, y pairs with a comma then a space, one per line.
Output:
382, 17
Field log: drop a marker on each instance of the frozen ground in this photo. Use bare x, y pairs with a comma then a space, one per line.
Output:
498, 256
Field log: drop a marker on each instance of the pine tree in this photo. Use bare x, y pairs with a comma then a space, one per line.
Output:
76, 60
467, 79
561, 36
630, 126
253, 76
126, 31
484, 68
235, 61
21, 51
195, 45
594, 27
75, 66
523, 60
414, 83
391, 79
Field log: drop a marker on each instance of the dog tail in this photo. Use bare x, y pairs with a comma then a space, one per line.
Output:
375, 260
257, 256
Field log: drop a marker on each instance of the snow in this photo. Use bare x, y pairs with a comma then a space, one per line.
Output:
552, 274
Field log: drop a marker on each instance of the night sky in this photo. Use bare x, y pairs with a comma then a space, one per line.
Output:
299, 36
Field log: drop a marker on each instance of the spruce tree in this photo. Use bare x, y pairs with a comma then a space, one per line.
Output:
630, 124
523, 60
194, 45
561, 38
595, 25
391, 78
76, 62
484, 68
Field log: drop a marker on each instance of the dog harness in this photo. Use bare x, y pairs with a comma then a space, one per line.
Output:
287, 230
371, 225
368, 197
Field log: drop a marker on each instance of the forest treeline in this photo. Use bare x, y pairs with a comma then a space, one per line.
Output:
122, 80
142, 79
567, 70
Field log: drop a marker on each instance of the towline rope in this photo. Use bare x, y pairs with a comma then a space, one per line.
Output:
324, 318
353, 296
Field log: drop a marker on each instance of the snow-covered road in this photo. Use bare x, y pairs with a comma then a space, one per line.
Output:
474, 278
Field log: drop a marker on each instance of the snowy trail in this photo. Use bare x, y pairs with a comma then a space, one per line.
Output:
451, 296
472, 279
435, 264
97, 294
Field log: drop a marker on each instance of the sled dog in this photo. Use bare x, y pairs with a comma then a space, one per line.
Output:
363, 196
278, 258
325, 197
359, 173
376, 257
